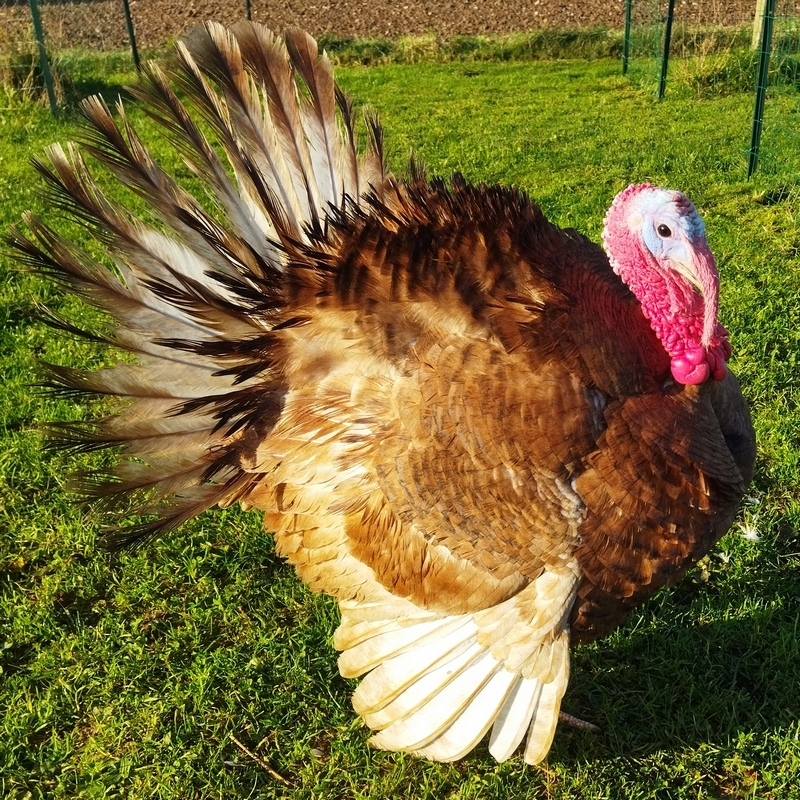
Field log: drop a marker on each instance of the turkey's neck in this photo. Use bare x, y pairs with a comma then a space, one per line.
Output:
674, 310
697, 346
682, 319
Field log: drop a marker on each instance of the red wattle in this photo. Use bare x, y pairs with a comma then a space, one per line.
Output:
697, 365
687, 373
717, 356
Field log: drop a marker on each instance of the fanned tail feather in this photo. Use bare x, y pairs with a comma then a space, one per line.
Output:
196, 296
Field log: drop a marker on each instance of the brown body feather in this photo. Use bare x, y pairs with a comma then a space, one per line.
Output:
453, 415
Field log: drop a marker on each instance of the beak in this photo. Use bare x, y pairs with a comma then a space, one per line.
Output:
702, 273
700, 270
687, 270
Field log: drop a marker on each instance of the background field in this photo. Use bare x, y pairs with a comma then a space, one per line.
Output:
128, 677
100, 23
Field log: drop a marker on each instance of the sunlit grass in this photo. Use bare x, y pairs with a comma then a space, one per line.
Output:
127, 677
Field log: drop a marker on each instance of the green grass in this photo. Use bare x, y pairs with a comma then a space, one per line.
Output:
127, 677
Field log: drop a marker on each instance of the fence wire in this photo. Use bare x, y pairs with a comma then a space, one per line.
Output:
645, 38
20, 75
779, 154
721, 56
72, 31
711, 51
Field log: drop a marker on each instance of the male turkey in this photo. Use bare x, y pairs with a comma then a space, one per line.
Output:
484, 437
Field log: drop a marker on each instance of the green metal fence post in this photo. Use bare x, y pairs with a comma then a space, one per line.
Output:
626, 41
662, 84
131, 34
761, 86
247, 9
44, 64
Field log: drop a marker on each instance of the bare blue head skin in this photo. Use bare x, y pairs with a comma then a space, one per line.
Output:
672, 229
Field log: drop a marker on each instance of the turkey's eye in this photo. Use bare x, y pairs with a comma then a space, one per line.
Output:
663, 231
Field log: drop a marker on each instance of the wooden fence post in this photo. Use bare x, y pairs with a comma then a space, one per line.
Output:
758, 22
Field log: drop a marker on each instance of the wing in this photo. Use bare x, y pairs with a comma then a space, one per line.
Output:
446, 543
421, 468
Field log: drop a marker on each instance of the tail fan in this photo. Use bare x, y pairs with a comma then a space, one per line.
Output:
195, 295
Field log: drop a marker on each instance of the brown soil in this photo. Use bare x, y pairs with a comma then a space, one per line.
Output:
100, 23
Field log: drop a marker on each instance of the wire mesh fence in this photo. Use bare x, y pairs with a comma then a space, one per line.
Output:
713, 49
20, 72
779, 151
644, 34
44, 45
726, 56
708, 55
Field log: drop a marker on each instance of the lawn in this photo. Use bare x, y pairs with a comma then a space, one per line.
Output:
199, 667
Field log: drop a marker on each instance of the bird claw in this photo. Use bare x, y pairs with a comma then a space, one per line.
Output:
578, 724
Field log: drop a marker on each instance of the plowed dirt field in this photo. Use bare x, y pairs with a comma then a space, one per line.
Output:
100, 23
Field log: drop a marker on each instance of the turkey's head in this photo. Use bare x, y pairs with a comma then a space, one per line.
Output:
656, 243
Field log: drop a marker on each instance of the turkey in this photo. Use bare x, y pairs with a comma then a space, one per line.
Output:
484, 436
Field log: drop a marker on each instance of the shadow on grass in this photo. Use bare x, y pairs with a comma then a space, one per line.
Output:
685, 682
80, 90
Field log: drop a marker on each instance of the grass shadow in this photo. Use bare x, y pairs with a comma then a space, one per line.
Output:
715, 670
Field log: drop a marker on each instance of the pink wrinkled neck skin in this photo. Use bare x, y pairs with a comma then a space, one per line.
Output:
677, 312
